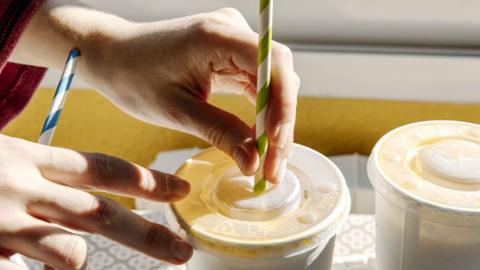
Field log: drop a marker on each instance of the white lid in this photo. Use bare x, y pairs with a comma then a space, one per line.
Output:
234, 197
452, 159
311, 203
433, 162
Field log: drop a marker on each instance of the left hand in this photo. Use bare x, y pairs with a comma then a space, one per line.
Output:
42, 186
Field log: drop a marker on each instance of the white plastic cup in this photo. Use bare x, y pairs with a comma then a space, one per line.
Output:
413, 233
317, 258
312, 251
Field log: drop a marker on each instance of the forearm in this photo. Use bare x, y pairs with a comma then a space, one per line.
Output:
61, 25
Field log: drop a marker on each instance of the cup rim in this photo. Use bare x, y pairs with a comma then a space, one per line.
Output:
328, 226
425, 202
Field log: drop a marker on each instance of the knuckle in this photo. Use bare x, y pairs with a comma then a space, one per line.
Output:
17, 148
218, 133
103, 214
164, 182
290, 103
166, 187
11, 184
207, 25
154, 237
9, 227
9, 142
284, 102
211, 23
231, 12
102, 167
234, 18
282, 51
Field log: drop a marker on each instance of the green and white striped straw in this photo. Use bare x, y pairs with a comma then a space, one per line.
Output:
264, 63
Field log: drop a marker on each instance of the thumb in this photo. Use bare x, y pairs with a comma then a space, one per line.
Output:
227, 132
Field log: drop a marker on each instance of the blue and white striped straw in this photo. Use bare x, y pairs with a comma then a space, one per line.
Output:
59, 98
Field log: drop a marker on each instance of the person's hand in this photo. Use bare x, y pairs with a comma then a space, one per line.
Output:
163, 73
40, 187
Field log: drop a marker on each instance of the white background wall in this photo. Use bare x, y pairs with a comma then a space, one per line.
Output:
385, 22
389, 21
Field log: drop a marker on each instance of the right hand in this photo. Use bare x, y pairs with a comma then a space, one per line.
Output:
163, 73
40, 188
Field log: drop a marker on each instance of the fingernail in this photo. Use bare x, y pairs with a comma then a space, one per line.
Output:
180, 186
282, 133
282, 166
181, 250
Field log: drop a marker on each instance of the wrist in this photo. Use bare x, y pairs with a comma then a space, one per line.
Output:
110, 52
97, 38
100, 48
60, 25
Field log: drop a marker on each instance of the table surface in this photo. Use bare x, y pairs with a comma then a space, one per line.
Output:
354, 249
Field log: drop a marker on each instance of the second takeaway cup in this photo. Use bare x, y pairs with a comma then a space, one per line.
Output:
291, 225
427, 181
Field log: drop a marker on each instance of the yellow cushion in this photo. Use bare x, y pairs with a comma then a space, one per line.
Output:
332, 126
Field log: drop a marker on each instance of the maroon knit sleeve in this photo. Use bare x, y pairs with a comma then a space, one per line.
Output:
17, 82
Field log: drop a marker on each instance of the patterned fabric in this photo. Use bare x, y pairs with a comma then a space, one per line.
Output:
354, 249
355, 244
17, 82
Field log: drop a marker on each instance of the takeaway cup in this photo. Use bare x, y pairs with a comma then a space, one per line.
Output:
427, 181
291, 225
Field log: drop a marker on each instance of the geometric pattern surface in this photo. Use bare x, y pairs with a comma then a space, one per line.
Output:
354, 249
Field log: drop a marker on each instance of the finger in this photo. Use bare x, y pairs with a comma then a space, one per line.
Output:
6, 264
107, 173
47, 243
238, 47
234, 17
48, 267
225, 131
232, 84
233, 37
281, 111
242, 47
231, 78
276, 162
282, 97
81, 210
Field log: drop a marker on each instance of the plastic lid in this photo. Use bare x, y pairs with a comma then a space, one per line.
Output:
433, 162
455, 160
223, 211
234, 197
